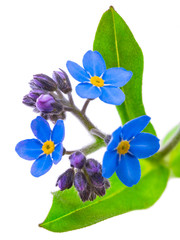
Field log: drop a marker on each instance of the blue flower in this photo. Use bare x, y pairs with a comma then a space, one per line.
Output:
97, 81
46, 149
127, 144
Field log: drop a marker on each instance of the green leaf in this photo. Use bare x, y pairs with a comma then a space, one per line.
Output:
69, 213
173, 158
118, 47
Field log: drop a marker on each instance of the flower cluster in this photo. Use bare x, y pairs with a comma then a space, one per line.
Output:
51, 97
86, 175
46, 94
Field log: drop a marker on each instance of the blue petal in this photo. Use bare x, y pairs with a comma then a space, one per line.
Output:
115, 139
41, 166
129, 170
58, 132
41, 129
57, 153
87, 90
112, 95
94, 63
117, 77
29, 149
77, 72
134, 127
110, 163
144, 145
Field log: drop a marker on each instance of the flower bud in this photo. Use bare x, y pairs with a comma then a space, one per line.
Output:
100, 191
35, 94
77, 159
28, 101
62, 80
84, 195
92, 196
97, 179
106, 183
44, 103
65, 180
92, 166
80, 181
43, 82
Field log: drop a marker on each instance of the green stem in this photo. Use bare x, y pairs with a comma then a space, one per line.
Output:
170, 145
89, 148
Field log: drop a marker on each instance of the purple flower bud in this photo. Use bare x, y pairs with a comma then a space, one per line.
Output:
77, 159
92, 166
35, 94
100, 191
85, 194
62, 80
28, 101
44, 103
106, 183
65, 180
92, 196
43, 82
97, 179
80, 181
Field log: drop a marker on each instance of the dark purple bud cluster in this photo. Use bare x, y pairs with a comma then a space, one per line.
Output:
43, 96
86, 175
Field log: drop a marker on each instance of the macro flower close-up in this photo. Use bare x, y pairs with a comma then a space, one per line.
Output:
46, 149
97, 81
126, 146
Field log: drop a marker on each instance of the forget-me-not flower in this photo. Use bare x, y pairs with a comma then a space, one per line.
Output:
46, 149
126, 146
97, 81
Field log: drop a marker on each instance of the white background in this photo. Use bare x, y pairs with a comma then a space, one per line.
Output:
39, 36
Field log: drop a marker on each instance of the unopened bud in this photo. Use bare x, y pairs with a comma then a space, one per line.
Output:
44, 103
92, 166
100, 191
77, 159
80, 181
62, 80
42, 81
85, 194
65, 181
97, 180
28, 101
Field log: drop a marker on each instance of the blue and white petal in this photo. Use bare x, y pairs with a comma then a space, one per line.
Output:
58, 132
87, 90
110, 163
112, 95
117, 77
77, 72
94, 63
144, 145
41, 129
57, 153
41, 165
115, 139
29, 149
129, 170
134, 127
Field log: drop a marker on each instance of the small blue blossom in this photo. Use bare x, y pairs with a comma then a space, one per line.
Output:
97, 81
126, 146
46, 149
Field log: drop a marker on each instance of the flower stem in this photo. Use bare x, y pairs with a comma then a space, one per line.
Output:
170, 145
85, 106
89, 148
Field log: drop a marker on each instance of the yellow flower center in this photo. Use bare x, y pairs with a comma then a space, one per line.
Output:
123, 147
97, 81
48, 147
